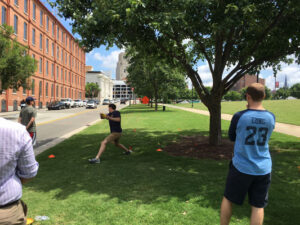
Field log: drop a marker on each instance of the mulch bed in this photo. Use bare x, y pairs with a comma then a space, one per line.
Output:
198, 147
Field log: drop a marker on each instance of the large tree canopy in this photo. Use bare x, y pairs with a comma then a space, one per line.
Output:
16, 66
92, 90
245, 35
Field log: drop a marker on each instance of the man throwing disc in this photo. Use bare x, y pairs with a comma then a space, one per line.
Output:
250, 169
114, 118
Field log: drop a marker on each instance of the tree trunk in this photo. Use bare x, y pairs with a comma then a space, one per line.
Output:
156, 104
151, 100
215, 135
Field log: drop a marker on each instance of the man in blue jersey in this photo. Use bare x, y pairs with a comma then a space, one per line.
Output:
250, 169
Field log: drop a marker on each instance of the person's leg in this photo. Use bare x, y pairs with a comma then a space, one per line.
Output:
257, 216
117, 142
226, 211
102, 148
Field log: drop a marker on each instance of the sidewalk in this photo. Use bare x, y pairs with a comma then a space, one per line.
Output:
284, 128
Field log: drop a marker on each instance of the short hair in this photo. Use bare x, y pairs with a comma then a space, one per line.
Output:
113, 106
256, 91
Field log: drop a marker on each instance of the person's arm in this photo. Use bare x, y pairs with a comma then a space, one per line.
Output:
19, 119
116, 116
30, 123
27, 166
117, 119
232, 128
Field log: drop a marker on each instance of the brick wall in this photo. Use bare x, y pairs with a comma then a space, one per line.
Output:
53, 47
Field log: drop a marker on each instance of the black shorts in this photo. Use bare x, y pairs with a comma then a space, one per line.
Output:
239, 184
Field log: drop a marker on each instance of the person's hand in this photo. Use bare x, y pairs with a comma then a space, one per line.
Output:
108, 117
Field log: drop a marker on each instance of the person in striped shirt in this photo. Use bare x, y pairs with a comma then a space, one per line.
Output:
17, 166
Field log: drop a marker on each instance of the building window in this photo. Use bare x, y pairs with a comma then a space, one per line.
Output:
66, 59
32, 87
33, 36
62, 36
65, 76
40, 88
16, 2
26, 6
25, 31
3, 16
52, 70
57, 91
52, 90
69, 60
47, 23
46, 90
61, 92
69, 76
41, 17
47, 45
62, 55
62, 74
15, 24
57, 52
52, 49
33, 11
57, 33
41, 41
57, 72
53, 29
41, 65
24, 91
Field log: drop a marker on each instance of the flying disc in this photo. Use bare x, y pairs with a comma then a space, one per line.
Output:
159, 150
51, 156
102, 115
30, 221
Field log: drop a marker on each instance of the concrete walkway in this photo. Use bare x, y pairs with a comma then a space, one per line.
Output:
284, 128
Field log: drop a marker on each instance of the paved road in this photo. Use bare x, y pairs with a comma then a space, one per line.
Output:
54, 124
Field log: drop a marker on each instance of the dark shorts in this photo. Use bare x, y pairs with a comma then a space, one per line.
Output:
239, 184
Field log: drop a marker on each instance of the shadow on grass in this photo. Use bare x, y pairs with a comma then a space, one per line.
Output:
147, 176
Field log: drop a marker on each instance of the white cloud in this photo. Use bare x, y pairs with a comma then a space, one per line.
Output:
205, 74
106, 63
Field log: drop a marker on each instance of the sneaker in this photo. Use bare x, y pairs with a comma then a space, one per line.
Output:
128, 153
94, 160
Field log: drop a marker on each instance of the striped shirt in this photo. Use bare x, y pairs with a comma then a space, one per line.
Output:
17, 160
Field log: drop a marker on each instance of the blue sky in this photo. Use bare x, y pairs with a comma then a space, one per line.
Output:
106, 61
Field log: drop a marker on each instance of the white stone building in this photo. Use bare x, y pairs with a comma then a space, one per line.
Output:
105, 84
122, 65
121, 90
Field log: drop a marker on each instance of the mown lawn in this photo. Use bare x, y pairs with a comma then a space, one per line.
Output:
150, 187
286, 111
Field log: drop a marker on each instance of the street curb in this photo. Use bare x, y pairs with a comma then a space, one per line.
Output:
56, 141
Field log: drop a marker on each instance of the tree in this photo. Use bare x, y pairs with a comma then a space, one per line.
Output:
151, 77
233, 96
295, 90
92, 90
16, 66
282, 93
243, 35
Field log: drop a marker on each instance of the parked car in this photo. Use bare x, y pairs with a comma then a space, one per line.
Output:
97, 102
91, 104
68, 102
56, 105
84, 102
78, 103
106, 102
123, 101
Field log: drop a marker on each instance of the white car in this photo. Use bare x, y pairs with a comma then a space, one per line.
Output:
84, 103
91, 104
78, 103
106, 102
68, 102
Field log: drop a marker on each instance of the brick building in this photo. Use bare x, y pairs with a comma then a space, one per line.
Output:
245, 81
61, 62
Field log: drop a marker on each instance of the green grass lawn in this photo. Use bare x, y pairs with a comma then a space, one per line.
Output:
150, 187
286, 111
